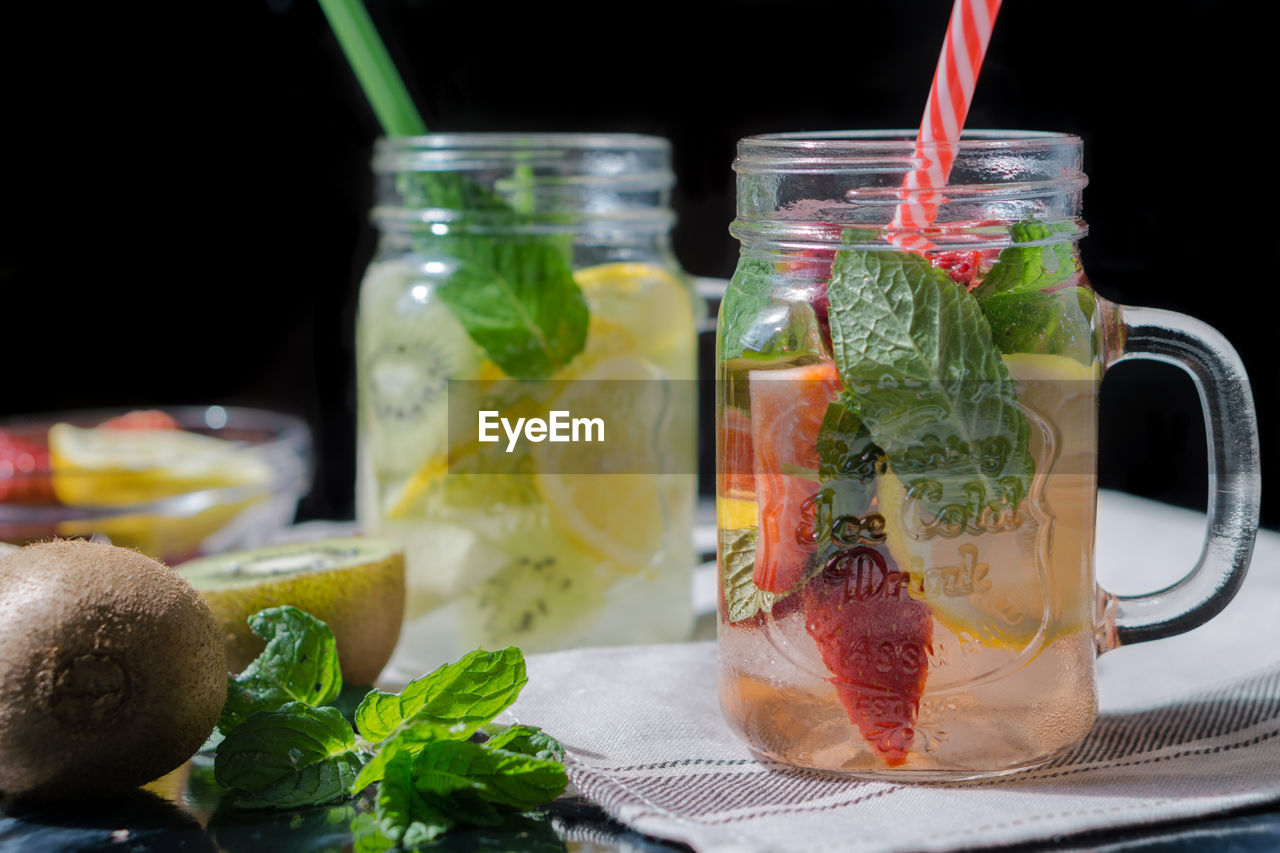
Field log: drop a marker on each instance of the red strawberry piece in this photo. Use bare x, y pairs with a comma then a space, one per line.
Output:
24, 471
787, 408
736, 454
874, 639
141, 419
962, 266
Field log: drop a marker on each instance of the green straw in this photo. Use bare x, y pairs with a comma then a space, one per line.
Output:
372, 64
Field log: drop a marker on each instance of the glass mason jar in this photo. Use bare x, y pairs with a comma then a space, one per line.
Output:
525, 267
907, 438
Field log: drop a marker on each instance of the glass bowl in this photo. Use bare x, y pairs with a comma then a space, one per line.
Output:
227, 479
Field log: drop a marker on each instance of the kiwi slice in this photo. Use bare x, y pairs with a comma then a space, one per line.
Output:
355, 585
410, 346
547, 595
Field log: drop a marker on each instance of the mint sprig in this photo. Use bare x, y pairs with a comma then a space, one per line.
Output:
466, 694
927, 382
514, 294
737, 576
516, 298
1028, 299
283, 752
1026, 269
290, 757
299, 664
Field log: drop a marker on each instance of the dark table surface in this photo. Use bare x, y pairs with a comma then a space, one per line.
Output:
182, 812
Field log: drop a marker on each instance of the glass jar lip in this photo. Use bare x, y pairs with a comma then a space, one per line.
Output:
977, 139
516, 141
884, 149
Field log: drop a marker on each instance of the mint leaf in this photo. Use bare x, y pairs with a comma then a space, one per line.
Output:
748, 293
1058, 322
526, 740
916, 357
295, 756
448, 191
845, 448
755, 325
461, 696
514, 295
408, 739
1023, 269
299, 664
737, 575
403, 815
516, 298
367, 835
494, 775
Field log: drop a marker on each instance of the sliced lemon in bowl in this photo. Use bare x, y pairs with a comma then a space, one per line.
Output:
118, 469
108, 468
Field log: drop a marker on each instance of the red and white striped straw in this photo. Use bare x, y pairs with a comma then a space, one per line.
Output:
968, 33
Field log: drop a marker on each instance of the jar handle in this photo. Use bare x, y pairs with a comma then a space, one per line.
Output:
1231, 430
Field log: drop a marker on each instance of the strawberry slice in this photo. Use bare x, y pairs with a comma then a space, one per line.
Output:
787, 408
24, 471
962, 266
141, 419
736, 454
874, 639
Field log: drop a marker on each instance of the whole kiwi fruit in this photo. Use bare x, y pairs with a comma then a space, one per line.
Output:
112, 670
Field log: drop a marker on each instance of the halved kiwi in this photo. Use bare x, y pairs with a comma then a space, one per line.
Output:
354, 585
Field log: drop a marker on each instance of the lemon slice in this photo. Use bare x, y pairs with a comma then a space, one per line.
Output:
121, 468
416, 487
107, 468
984, 587
987, 586
617, 516
638, 309
737, 513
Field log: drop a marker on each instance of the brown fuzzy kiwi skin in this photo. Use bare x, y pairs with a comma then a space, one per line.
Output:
112, 670
363, 605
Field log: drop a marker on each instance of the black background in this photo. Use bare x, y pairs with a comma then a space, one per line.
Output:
186, 185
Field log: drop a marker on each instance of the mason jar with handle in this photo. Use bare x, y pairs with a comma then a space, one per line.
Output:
907, 459
532, 270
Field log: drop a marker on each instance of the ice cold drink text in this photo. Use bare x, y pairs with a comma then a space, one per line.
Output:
559, 426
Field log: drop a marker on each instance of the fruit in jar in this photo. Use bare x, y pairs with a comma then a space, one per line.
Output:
787, 409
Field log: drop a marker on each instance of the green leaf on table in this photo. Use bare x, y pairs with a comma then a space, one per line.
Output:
526, 740
403, 815
463, 695
517, 298
924, 377
299, 664
1025, 269
407, 738
295, 756
494, 775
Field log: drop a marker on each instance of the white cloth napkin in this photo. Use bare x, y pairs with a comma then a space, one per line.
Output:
1189, 726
